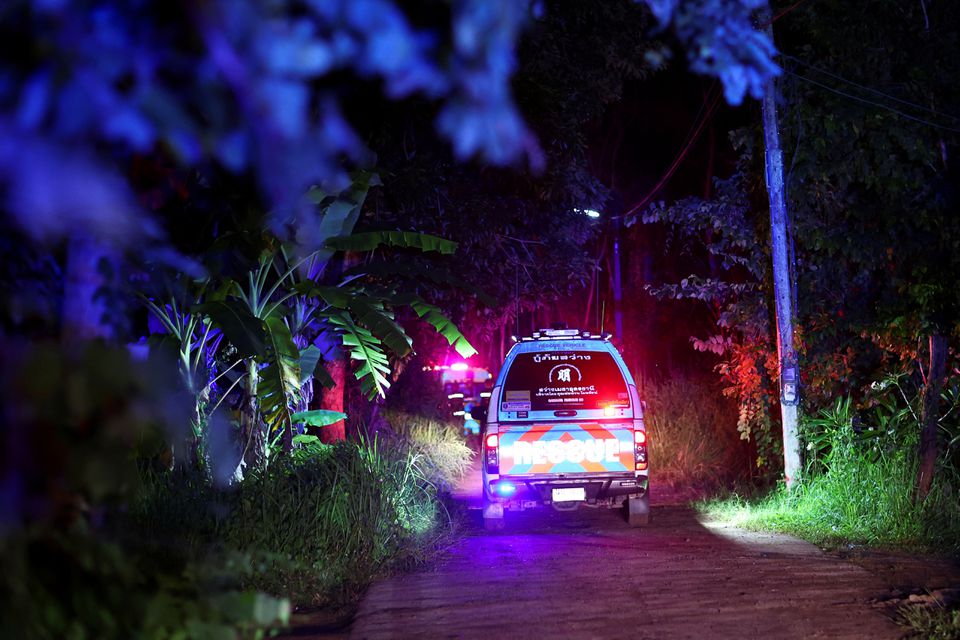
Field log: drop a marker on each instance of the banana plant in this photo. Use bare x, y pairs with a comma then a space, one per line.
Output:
253, 318
196, 341
362, 313
271, 318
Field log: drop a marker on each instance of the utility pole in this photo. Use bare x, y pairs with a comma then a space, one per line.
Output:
789, 367
617, 283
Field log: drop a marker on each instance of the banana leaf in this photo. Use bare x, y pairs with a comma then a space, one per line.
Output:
318, 417
435, 317
370, 240
309, 358
372, 314
280, 380
246, 332
366, 349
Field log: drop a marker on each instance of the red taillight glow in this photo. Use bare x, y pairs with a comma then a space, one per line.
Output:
492, 441
640, 437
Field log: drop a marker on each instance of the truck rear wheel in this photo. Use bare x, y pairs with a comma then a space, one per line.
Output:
492, 516
638, 510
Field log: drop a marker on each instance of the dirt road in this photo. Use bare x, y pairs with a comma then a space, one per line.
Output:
586, 574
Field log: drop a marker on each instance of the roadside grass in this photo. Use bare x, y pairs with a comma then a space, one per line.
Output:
692, 434
860, 490
316, 529
444, 454
859, 501
931, 623
866, 503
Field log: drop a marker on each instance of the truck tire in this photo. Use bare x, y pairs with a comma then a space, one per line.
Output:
492, 516
638, 510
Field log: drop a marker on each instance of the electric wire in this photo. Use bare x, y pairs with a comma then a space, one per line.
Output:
688, 145
870, 89
782, 13
872, 103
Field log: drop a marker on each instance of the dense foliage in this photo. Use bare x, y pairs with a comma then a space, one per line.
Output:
872, 197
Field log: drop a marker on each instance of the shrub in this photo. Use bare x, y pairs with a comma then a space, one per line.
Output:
77, 585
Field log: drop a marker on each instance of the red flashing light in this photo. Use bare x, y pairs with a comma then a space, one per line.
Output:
493, 441
459, 366
640, 437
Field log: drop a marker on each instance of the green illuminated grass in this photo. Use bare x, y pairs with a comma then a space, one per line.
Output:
855, 501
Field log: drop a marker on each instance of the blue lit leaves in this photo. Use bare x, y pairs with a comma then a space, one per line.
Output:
721, 41
481, 118
235, 81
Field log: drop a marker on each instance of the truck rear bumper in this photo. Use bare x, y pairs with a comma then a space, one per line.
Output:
519, 492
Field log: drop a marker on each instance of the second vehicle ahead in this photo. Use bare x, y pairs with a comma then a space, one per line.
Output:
565, 429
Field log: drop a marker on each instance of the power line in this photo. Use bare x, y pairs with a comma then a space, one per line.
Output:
699, 129
782, 13
871, 102
870, 89
691, 138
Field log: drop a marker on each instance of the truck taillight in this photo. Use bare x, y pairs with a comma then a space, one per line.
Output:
640, 449
491, 455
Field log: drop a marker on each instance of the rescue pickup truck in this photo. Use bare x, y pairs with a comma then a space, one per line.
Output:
565, 429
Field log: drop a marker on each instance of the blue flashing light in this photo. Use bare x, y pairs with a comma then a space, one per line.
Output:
506, 488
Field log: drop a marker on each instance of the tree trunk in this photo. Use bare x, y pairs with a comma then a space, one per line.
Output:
930, 414
251, 426
332, 399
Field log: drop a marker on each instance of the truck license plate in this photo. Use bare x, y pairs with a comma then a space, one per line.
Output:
574, 494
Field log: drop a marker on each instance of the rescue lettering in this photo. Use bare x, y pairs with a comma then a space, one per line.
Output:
555, 451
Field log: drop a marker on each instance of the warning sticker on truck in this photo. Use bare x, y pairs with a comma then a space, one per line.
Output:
516, 400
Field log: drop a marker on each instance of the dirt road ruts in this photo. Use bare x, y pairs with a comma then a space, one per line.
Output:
586, 574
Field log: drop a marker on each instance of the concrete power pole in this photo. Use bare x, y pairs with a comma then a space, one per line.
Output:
789, 367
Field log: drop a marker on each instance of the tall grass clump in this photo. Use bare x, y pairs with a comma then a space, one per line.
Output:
331, 523
858, 487
315, 528
692, 434
444, 454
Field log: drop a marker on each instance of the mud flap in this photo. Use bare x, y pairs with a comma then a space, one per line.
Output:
492, 516
638, 510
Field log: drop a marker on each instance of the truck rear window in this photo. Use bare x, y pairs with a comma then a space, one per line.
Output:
579, 380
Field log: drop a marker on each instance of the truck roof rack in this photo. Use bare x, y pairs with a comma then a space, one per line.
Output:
562, 334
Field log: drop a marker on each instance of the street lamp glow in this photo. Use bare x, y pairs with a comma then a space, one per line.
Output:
590, 213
